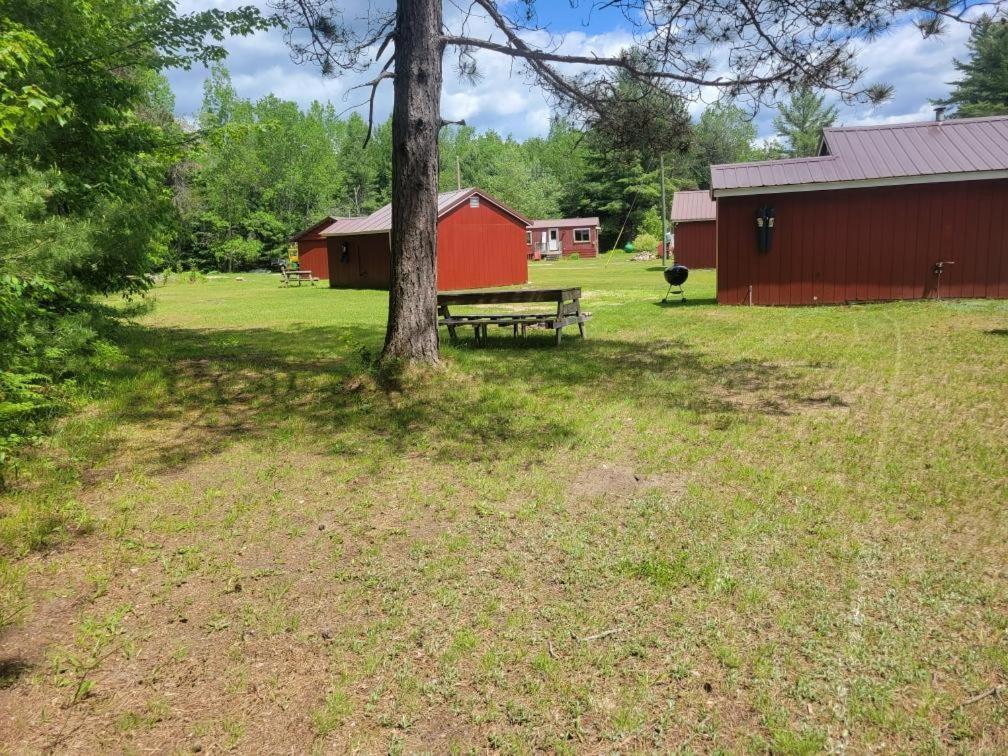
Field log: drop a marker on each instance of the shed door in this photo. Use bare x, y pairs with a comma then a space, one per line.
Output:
553, 234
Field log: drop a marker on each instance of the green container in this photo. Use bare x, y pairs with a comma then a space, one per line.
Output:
629, 247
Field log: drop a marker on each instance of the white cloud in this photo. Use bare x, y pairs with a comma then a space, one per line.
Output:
507, 100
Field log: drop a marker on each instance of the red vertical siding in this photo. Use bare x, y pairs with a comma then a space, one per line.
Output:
313, 256
866, 244
479, 247
696, 244
367, 264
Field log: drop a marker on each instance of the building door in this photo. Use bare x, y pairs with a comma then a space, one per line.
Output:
553, 243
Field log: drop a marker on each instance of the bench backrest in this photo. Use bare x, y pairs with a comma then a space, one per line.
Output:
509, 297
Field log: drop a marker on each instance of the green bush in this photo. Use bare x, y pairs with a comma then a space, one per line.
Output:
645, 243
573, 256
650, 223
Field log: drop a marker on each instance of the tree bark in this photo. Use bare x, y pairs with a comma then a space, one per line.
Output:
416, 117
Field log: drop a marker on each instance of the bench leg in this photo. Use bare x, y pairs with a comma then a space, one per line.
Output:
516, 330
559, 331
581, 328
451, 333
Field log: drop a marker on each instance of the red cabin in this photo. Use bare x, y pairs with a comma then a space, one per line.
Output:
869, 218
694, 224
312, 248
480, 243
563, 236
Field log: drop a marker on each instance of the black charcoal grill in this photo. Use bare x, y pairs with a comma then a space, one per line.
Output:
676, 276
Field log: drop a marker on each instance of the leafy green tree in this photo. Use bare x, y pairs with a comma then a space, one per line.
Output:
237, 252
651, 223
619, 188
89, 144
800, 121
983, 88
24, 105
724, 133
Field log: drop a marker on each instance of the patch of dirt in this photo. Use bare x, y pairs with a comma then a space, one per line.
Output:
620, 482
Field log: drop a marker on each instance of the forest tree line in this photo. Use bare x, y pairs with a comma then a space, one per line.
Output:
258, 172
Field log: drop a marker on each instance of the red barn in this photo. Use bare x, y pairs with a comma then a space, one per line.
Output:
312, 248
870, 217
481, 243
563, 236
694, 224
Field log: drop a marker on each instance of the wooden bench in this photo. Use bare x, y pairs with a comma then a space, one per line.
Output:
297, 276
568, 311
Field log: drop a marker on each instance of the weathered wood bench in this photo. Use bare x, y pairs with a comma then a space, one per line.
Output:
297, 276
568, 311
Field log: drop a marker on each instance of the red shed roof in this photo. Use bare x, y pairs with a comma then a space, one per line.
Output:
693, 206
313, 229
380, 220
565, 223
907, 153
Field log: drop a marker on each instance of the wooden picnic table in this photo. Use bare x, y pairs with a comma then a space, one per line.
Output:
568, 311
291, 276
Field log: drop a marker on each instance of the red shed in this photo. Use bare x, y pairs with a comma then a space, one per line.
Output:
564, 236
694, 224
312, 248
870, 217
481, 243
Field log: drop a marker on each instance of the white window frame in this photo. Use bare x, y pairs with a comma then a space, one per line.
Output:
474, 201
528, 238
582, 241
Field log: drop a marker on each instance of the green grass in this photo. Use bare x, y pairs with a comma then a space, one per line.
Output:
791, 519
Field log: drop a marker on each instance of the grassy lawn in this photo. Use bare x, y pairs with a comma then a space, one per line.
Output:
701, 528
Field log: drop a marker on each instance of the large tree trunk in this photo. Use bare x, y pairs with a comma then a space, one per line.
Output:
416, 118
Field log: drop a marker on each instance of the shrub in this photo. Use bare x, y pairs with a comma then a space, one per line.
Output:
645, 243
573, 256
650, 223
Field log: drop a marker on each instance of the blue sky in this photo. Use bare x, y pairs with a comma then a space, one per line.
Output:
505, 101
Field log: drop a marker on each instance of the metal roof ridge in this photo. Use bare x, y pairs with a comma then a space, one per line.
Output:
916, 124
777, 161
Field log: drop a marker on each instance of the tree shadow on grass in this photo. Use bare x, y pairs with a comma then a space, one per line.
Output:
198, 391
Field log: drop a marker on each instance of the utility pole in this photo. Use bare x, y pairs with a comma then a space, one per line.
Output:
664, 215
458, 174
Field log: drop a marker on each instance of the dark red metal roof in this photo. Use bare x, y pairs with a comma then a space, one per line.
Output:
693, 206
565, 223
314, 228
892, 154
381, 219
